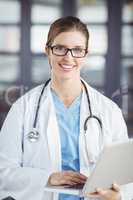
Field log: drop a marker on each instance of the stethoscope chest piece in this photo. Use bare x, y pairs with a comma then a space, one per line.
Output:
33, 135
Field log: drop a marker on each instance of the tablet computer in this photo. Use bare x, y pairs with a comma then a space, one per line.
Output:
115, 164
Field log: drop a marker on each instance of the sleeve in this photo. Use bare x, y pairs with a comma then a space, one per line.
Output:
120, 134
127, 192
119, 126
20, 182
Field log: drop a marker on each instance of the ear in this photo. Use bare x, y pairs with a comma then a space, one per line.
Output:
46, 50
88, 51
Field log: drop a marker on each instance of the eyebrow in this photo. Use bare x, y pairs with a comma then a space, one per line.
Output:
77, 46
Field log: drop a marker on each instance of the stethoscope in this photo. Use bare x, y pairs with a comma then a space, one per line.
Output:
34, 135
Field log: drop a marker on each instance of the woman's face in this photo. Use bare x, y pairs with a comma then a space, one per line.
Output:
67, 67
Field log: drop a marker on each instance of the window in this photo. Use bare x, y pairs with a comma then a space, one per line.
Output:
43, 13
9, 11
127, 62
94, 14
9, 50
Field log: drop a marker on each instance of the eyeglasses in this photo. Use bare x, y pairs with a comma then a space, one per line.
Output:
60, 50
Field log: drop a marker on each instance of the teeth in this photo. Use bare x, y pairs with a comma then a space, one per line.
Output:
67, 66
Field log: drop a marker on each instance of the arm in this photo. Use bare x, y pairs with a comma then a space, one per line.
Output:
117, 132
120, 134
14, 178
119, 126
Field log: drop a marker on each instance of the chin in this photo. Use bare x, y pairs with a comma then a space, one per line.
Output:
67, 78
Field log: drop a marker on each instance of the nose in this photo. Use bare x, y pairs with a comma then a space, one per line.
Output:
68, 53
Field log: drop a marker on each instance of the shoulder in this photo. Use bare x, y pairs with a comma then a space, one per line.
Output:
101, 102
109, 113
29, 97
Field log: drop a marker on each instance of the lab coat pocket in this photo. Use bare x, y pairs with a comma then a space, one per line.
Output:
36, 153
93, 144
93, 158
88, 168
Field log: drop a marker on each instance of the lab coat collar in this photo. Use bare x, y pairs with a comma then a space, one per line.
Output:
92, 134
53, 135
89, 141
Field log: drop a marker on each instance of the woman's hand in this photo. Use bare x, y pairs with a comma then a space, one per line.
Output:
67, 178
107, 194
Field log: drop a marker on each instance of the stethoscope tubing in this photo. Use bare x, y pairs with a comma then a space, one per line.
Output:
39, 102
35, 134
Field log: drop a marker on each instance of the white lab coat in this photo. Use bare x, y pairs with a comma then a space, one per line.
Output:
25, 166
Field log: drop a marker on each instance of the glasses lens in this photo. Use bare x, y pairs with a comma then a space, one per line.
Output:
78, 52
59, 50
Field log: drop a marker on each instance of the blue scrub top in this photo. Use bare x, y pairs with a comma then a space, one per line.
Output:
68, 119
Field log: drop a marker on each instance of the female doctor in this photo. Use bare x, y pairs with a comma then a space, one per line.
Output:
54, 133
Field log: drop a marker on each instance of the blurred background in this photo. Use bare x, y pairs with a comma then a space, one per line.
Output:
24, 25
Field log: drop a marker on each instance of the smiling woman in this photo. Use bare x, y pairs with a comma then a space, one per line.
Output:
66, 47
59, 128
66, 56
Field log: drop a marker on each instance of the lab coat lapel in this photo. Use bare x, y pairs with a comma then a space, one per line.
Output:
91, 137
53, 136
94, 133
82, 152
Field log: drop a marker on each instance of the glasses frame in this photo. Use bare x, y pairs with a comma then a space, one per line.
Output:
67, 50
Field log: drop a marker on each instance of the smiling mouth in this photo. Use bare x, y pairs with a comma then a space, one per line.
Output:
67, 67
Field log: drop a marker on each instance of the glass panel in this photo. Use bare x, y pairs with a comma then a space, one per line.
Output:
2, 118
93, 70
127, 76
9, 39
126, 81
9, 93
41, 14
40, 69
92, 11
9, 68
39, 38
127, 40
9, 11
126, 72
47, 1
98, 39
4, 86
128, 11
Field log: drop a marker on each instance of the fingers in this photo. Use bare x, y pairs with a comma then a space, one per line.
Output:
93, 195
72, 173
66, 182
75, 176
67, 178
101, 191
116, 187
106, 194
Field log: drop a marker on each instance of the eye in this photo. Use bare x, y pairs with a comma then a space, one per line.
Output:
59, 48
78, 50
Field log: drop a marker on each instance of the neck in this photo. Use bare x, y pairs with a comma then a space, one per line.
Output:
67, 90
